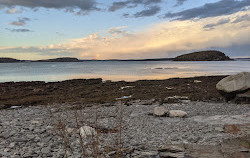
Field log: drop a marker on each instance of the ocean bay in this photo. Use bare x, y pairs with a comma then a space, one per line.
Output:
117, 70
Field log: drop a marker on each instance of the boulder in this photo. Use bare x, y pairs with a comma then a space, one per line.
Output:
160, 111
87, 131
177, 113
232, 85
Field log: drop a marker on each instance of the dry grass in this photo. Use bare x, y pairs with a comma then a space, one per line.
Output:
95, 146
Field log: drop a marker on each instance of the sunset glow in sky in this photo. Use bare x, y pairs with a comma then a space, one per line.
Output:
122, 29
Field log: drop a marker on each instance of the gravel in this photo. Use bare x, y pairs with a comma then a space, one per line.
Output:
32, 131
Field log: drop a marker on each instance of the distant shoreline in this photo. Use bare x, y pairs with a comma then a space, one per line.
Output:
157, 59
209, 55
11, 60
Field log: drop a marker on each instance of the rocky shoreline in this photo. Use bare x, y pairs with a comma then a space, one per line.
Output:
33, 131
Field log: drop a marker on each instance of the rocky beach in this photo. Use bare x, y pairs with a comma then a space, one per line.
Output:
125, 79
40, 119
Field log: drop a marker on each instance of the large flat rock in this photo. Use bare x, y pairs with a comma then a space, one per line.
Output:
223, 119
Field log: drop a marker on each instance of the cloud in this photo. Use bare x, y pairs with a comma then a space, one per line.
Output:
118, 5
242, 18
126, 4
126, 15
237, 19
220, 22
20, 21
223, 7
148, 12
19, 30
117, 31
179, 2
165, 39
13, 11
83, 6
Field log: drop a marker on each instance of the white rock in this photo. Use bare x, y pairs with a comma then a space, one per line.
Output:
87, 131
70, 130
35, 122
160, 111
238, 82
197, 81
177, 113
12, 145
127, 87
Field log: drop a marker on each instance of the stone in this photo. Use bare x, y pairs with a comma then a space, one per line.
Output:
87, 131
219, 129
197, 81
45, 150
35, 122
177, 113
160, 111
70, 130
5, 135
112, 153
12, 145
234, 84
171, 148
172, 155
148, 154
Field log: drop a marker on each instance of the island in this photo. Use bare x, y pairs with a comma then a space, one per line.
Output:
210, 55
8, 60
64, 59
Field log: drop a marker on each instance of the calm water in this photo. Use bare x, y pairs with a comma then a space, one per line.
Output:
117, 70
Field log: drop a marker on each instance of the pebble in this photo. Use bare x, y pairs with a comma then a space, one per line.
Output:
12, 145
45, 150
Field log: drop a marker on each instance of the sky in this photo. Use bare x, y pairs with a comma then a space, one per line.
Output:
122, 29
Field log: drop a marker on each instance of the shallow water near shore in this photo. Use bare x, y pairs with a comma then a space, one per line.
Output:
117, 70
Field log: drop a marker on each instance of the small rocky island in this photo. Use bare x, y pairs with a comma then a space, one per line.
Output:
211, 55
